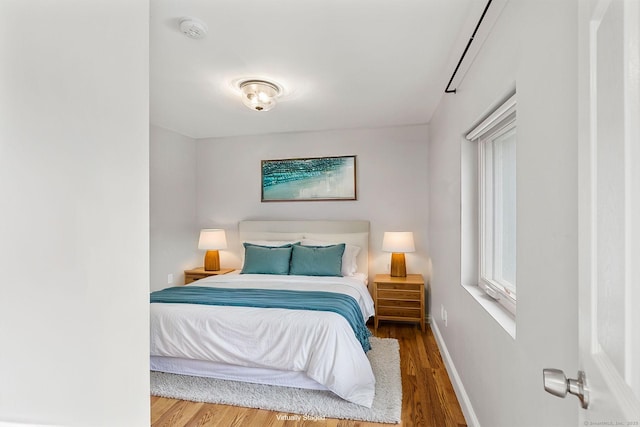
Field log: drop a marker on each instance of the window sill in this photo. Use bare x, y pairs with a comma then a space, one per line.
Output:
495, 310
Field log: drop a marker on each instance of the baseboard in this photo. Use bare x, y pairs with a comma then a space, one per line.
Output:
12, 424
458, 387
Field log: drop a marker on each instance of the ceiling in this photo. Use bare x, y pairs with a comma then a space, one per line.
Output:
343, 63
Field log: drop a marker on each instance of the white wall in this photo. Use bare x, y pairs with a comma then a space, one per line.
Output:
74, 218
391, 177
173, 226
532, 49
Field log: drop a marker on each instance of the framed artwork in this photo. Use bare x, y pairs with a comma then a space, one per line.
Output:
315, 178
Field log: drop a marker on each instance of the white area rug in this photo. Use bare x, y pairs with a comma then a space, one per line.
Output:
308, 404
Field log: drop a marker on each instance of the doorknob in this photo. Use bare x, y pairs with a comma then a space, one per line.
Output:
556, 383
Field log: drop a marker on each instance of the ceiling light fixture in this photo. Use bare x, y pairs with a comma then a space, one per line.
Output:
193, 28
259, 95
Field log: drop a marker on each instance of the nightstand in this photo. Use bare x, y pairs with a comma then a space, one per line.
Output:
399, 299
200, 273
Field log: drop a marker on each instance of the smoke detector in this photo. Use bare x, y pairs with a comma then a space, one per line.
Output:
193, 28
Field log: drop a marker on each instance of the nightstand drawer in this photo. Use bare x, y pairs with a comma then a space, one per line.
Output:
401, 295
401, 286
413, 313
193, 277
399, 303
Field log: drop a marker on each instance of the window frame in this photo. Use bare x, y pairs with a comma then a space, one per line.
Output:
499, 123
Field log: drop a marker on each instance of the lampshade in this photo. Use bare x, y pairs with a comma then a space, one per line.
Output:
398, 242
259, 95
212, 238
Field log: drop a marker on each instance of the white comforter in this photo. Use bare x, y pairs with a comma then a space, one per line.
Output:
321, 344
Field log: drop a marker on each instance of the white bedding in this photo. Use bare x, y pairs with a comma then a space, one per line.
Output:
320, 344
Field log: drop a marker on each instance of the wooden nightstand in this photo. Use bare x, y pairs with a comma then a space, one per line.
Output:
200, 273
399, 299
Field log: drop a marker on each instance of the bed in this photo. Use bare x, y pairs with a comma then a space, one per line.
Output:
297, 330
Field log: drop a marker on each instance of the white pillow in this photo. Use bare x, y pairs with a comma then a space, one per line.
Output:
272, 243
349, 257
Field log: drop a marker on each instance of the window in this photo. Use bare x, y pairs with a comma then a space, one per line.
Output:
496, 177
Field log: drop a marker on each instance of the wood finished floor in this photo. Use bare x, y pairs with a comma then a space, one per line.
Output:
428, 398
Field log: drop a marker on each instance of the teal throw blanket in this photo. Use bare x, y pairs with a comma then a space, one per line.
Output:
344, 305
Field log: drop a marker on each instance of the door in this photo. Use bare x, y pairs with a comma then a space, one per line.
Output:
609, 209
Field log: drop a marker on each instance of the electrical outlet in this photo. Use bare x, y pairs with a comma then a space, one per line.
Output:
170, 279
441, 312
445, 319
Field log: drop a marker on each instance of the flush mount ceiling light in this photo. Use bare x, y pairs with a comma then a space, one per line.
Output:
193, 28
259, 95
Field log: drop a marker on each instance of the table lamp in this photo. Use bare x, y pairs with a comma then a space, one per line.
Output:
212, 239
398, 243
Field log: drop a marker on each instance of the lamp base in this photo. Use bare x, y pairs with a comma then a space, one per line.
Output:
398, 265
212, 261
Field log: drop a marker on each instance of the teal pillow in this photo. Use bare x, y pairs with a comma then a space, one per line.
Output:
317, 260
266, 259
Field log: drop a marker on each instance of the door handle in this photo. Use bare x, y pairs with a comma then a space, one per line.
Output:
556, 383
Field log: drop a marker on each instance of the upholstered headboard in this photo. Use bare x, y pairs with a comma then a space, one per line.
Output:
351, 232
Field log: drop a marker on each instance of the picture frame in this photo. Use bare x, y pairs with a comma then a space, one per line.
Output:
309, 179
